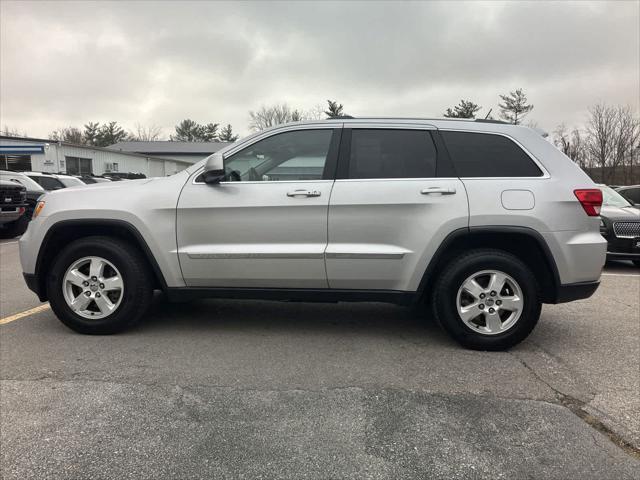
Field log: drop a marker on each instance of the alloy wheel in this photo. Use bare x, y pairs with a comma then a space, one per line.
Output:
490, 302
93, 287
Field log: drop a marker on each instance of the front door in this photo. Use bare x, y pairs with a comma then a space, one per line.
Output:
266, 225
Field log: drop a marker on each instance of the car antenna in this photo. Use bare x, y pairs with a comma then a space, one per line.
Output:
488, 113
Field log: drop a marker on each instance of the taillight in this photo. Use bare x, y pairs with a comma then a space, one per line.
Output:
590, 199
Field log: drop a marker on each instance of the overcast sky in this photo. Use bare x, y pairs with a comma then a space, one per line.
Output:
157, 63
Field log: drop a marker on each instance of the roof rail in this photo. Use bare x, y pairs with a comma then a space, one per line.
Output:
489, 120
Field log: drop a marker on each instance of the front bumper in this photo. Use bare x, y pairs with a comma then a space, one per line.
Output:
623, 256
621, 248
11, 213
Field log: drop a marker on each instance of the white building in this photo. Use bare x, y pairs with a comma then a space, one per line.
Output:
191, 152
34, 154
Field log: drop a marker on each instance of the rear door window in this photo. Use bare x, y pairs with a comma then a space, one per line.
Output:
488, 155
392, 153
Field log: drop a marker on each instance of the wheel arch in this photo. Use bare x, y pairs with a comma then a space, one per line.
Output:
65, 231
524, 242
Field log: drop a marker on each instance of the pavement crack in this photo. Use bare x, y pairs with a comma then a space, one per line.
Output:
577, 407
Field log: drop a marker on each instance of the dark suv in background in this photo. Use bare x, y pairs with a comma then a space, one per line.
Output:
620, 225
33, 191
631, 193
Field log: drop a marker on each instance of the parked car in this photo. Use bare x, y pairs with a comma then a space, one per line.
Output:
90, 179
631, 193
54, 181
33, 192
483, 221
115, 176
620, 225
13, 204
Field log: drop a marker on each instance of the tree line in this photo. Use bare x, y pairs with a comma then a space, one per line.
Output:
607, 147
103, 135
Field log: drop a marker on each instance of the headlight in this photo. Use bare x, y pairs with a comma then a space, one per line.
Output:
38, 209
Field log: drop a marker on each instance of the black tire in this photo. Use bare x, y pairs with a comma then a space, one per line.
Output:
636, 263
15, 228
138, 285
451, 279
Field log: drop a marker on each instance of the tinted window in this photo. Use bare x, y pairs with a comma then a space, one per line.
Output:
631, 194
378, 153
299, 155
486, 155
49, 183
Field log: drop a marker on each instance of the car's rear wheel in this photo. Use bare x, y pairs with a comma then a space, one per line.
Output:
487, 300
99, 285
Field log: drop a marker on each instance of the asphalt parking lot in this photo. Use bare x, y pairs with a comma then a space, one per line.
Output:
248, 389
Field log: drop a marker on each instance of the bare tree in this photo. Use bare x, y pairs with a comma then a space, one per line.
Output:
12, 132
67, 134
273, 115
315, 113
625, 141
151, 133
572, 144
600, 128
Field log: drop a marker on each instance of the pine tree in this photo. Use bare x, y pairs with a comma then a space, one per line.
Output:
91, 133
111, 133
187, 131
465, 109
226, 134
209, 132
514, 107
335, 110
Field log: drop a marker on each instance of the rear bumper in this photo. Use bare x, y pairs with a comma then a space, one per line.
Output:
575, 291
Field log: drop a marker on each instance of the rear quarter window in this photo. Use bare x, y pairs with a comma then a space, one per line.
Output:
488, 155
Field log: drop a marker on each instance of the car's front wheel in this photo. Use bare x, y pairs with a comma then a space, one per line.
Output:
487, 300
99, 285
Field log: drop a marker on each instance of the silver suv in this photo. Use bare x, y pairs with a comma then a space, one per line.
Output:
481, 221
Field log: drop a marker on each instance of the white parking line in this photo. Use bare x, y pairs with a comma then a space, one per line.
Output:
8, 243
620, 275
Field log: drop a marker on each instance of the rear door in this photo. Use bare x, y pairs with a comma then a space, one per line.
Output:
266, 227
394, 200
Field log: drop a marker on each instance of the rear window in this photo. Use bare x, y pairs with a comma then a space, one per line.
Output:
394, 153
631, 194
48, 183
487, 155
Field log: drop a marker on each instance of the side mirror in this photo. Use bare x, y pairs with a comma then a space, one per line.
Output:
214, 169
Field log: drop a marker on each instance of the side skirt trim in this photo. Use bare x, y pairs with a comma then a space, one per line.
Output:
293, 294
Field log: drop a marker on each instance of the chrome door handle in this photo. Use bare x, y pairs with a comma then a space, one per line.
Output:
442, 190
304, 193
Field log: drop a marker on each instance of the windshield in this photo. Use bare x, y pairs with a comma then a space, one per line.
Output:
611, 198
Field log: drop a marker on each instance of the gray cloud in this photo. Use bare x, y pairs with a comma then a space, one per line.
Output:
68, 63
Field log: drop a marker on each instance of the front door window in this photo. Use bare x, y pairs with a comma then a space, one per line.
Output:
299, 155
